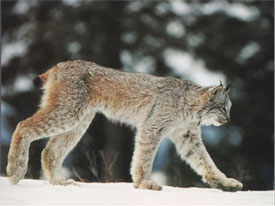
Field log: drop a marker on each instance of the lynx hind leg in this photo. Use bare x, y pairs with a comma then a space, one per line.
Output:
44, 123
17, 158
58, 148
145, 150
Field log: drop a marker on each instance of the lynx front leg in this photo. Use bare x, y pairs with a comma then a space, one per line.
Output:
58, 148
192, 150
144, 154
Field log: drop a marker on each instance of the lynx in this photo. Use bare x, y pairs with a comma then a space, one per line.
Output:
74, 91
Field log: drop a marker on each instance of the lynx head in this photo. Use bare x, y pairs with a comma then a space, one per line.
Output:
216, 106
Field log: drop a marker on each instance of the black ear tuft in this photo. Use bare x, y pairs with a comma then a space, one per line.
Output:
37, 82
227, 89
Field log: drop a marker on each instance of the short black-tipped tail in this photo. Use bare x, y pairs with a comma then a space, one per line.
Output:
40, 80
37, 82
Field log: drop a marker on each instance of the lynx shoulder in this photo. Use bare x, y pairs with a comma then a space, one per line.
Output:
158, 107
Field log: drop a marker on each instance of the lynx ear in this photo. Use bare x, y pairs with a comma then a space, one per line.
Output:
207, 93
216, 90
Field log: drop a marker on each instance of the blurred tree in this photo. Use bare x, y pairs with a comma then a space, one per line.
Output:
135, 36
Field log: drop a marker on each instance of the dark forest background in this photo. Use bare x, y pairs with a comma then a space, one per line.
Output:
234, 38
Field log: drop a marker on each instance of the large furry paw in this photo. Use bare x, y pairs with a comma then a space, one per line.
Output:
63, 182
227, 184
148, 184
16, 171
231, 184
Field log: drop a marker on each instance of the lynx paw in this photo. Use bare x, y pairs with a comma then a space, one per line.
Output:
63, 182
148, 184
226, 184
231, 185
16, 171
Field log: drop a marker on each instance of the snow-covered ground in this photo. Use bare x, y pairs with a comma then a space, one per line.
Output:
41, 192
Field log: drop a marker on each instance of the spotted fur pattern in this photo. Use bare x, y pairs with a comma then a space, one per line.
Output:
158, 107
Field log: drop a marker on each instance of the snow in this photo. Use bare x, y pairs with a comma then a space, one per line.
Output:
237, 10
185, 65
11, 50
37, 192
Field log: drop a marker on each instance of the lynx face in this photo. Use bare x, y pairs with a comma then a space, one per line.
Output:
217, 110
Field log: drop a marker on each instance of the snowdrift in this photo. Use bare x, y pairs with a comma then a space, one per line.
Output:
41, 192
